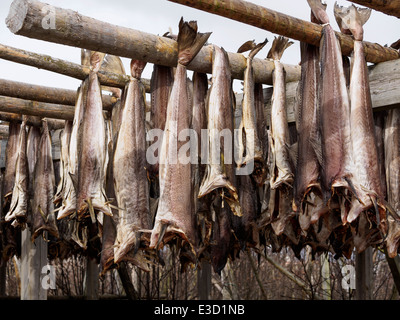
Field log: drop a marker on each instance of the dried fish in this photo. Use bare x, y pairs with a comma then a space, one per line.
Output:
220, 171
129, 170
92, 149
43, 217
17, 213
368, 182
174, 214
281, 171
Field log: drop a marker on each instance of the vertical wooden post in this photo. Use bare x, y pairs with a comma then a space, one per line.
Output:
204, 281
33, 259
364, 275
92, 280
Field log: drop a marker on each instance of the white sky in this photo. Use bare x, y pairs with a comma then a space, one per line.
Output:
156, 17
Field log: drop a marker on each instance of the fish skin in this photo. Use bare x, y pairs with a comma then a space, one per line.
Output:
161, 82
174, 213
65, 137
198, 123
220, 175
68, 205
17, 213
11, 160
392, 168
367, 178
307, 172
334, 116
249, 134
92, 147
43, 217
281, 172
129, 168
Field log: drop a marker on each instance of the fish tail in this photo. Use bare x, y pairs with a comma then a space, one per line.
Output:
189, 41
258, 47
96, 60
113, 64
318, 11
352, 19
279, 45
247, 46
137, 67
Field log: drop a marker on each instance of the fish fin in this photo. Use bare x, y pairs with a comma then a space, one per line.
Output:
258, 47
247, 46
96, 59
74, 179
351, 19
319, 11
316, 145
161, 235
279, 45
91, 210
189, 41
42, 214
113, 64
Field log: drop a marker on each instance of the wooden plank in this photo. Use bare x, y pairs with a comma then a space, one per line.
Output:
73, 29
389, 7
285, 25
204, 281
53, 124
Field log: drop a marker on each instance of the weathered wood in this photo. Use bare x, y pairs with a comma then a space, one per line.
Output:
33, 108
285, 25
33, 92
53, 124
92, 280
204, 281
394, 265
389, 7
73, 29
33, 259
364, 284
384, 84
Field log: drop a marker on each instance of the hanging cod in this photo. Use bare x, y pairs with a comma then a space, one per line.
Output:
130, 176
174, 214
43, 216
17, 214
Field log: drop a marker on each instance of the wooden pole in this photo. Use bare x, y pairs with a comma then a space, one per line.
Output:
33, 108
92, 280
364, 275
53, 124
45, 94
33, 259
285, 25
204, 281
73, 29
60, 66
389, 7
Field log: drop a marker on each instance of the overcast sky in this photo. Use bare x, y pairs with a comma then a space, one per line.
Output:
157, 17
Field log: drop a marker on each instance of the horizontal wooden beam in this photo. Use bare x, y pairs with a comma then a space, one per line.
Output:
71, 28
54, 124
34, 108
384, 80
33, 92
285, 25
389, 7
